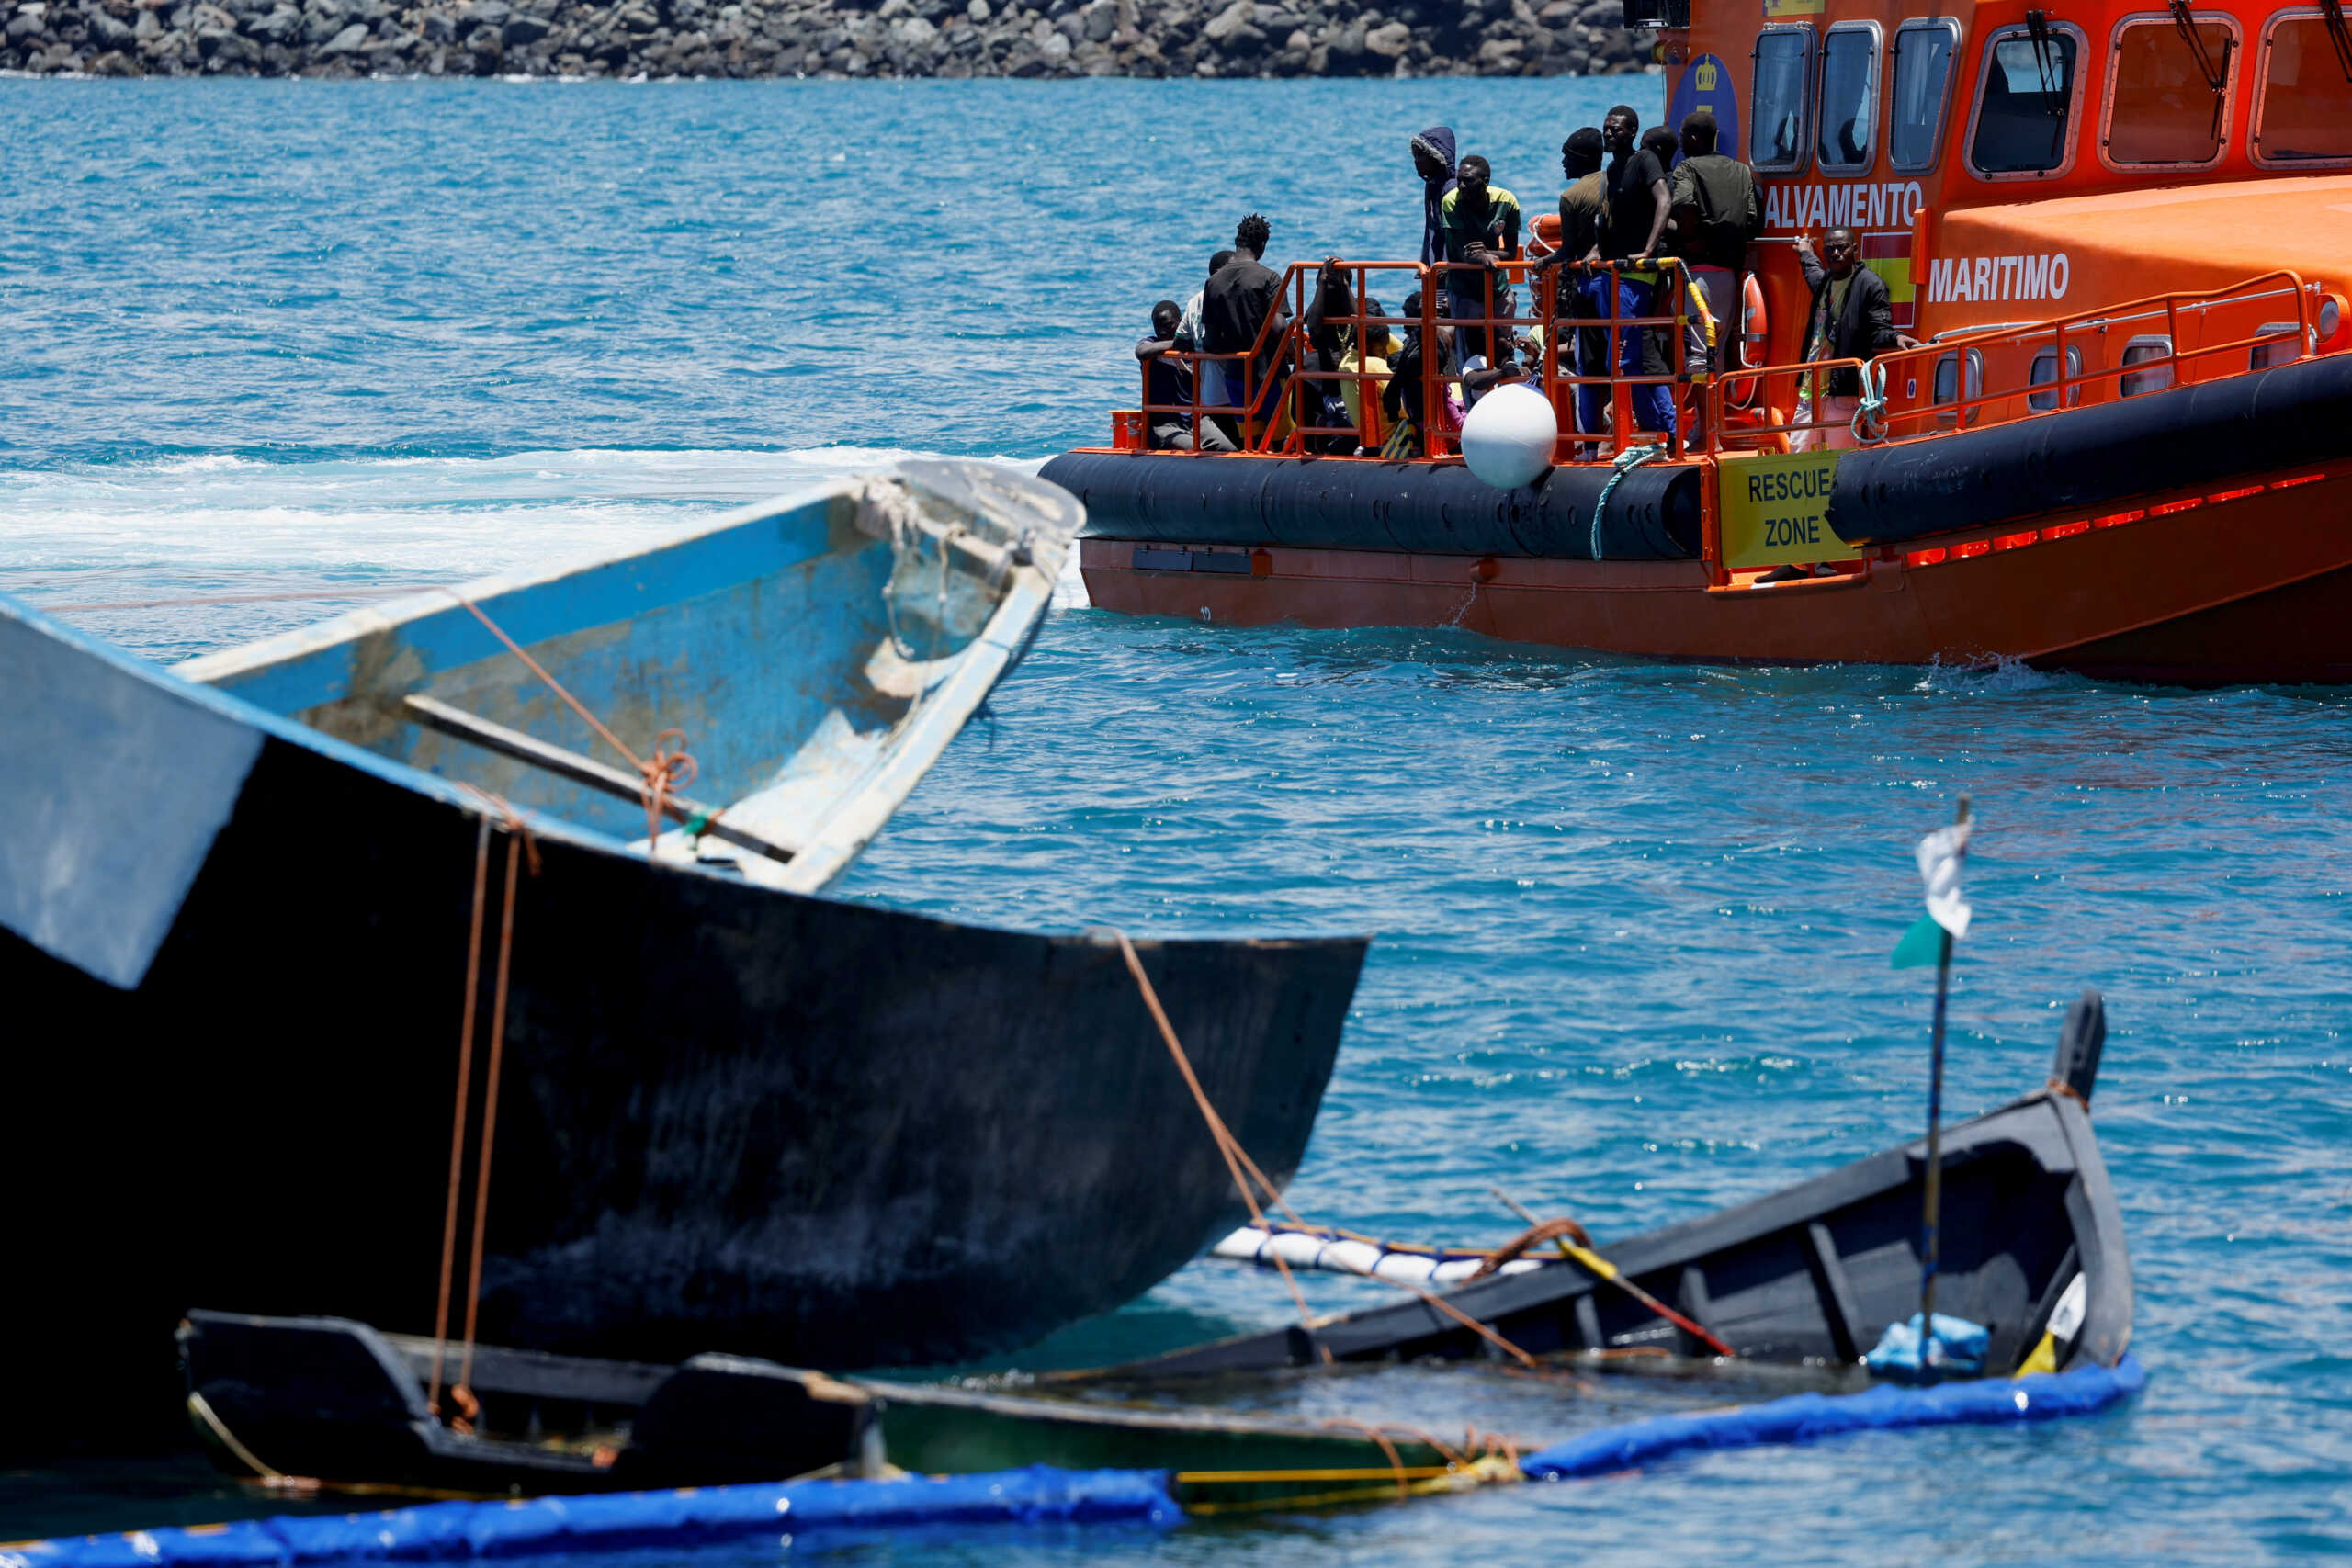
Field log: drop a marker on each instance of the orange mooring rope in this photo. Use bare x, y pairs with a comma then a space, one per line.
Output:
1237, 1159
520, 847
670, 768
457, 1120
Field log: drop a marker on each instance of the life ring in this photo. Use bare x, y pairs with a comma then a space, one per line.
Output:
1754, 340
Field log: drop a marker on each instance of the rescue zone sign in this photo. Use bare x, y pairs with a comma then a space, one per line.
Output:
1776, 511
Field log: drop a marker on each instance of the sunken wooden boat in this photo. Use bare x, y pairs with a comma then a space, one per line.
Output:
335, 1404
265, 901
1800, 1285
2031, 1247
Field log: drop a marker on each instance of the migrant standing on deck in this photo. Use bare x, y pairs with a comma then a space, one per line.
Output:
1235, 308
1478, 229
1639, 203
1851, 317
1716, 206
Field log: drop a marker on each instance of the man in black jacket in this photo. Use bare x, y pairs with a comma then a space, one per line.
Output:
1850, 318
1234, 312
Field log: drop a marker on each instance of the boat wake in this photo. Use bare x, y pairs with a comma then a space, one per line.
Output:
1995, 677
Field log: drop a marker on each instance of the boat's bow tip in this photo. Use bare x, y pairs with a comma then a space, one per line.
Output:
1022, 503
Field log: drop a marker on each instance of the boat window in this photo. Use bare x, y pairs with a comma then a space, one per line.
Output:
1948, 375
1922, 70
1848, 96
2168, 91
1777, 129
2026, 102
2139, 351
2045, 371
2305, 112
2285, 351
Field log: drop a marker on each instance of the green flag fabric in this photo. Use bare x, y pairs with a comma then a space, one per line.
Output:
1921, 946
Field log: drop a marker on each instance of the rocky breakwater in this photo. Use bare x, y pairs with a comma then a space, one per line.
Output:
811, 38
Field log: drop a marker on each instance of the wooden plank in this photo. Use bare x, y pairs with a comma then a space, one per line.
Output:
1837, 1292
456, 722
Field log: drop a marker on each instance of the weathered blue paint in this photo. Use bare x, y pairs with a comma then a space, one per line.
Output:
766, 637
96, 875
532, 609
746, 639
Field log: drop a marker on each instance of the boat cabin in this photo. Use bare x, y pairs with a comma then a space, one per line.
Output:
2004, 164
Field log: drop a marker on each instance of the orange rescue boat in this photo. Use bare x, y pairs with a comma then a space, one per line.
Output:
2122, 235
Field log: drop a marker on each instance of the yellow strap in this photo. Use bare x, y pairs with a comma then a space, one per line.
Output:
2044, 1359
1589, 1258
1244, 1477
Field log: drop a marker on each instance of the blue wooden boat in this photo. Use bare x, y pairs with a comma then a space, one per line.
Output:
251, 900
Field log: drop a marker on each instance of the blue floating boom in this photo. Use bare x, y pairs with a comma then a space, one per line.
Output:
2043, 1396
694, 1516
698, 1517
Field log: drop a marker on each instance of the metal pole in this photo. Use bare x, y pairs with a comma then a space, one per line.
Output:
1927, 1246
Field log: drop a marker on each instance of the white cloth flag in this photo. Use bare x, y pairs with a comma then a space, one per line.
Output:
1941, 854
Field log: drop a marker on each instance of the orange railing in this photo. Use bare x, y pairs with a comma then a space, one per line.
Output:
1273, 388
1276, 405
1913, 410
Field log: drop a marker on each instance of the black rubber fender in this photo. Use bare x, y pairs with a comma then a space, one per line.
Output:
2086, 457
1422, 508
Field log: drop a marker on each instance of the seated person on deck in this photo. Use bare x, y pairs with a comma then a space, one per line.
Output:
1169, 387
1405, 397
1192, 336
1382, 343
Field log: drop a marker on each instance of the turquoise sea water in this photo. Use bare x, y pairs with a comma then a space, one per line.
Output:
1632, 919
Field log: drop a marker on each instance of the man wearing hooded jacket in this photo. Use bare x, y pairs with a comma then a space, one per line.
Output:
1433, 161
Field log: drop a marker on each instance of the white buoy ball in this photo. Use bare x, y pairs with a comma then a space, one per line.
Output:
1509, 438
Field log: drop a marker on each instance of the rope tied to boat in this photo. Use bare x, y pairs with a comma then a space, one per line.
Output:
665, 773
1868, 424
1237, 1160
521, 849
668, 772
1625, 462
1535, 1235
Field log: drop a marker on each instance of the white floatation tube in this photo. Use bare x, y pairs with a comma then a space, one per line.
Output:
1336, 1252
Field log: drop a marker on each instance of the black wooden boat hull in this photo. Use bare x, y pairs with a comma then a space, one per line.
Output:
828, 1133
1812, 1274
338, 1403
